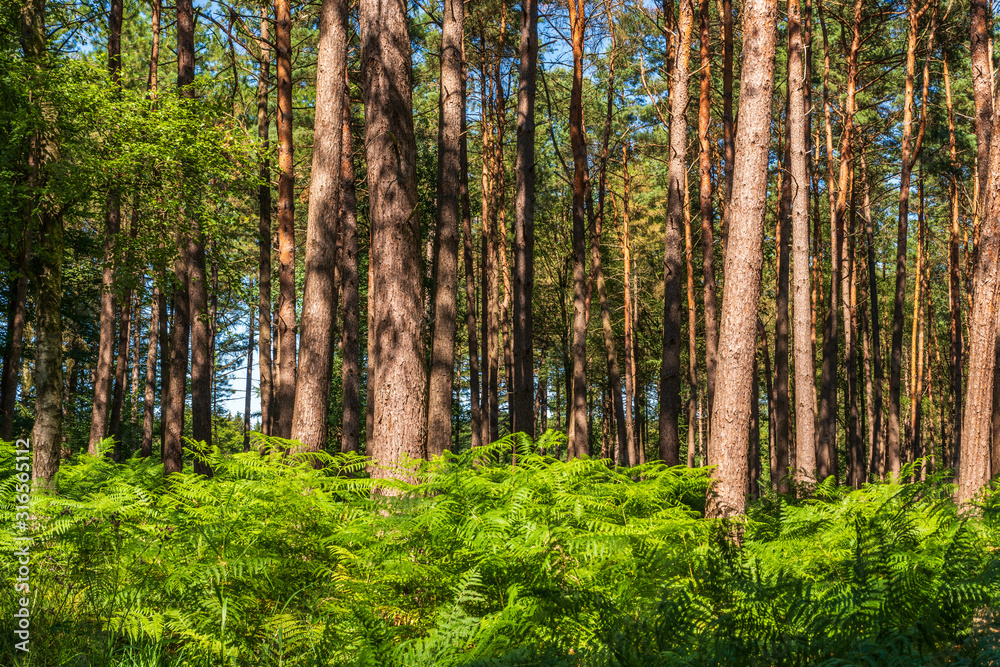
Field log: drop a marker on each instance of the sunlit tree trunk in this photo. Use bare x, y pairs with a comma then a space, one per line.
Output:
734, 375
711, 307
955, 332
397, 365
319, 297
264, 343
468, 259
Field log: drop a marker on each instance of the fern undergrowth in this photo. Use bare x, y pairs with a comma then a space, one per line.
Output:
495, 557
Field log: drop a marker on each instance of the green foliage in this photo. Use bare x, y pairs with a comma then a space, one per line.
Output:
497, 556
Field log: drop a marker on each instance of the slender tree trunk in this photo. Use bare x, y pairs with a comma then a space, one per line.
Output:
319, 296
351, 364
578, 437
468, 259
112, 223
284, 384
805, 376
855, 455
955, 360
446, 239
524, 219
630, 407
202, 346
15, 338
264, 232
397, 365
734, 375
670, 371
876, 465
782, 424
149, 393
692, 322
728, 124
711, 307
121, 366
248, 386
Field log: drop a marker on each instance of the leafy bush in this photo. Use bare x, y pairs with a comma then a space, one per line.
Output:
493, 557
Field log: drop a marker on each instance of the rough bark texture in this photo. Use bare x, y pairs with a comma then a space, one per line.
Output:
711, 306
955, 333
264, 232
578, 437
319, 296
670, 364
692, 326
201, 349
734, 393
15, 337
631, 409
468, 260
284, 384
782, 419
121, 366
351, 365
112, 223
149, 389
445, 303
397, 364
524, 222
805, 376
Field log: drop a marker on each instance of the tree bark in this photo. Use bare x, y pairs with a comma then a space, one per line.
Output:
782, 422
264, 343
670, 371
468, 259
319, 296
149, 392
15, 337
734, 374
397, 365
711, 307
248, 386
805, 375
284, 385
955, 334
578, 437
112, 223
692, 326
524, 221
351, 363
630, 375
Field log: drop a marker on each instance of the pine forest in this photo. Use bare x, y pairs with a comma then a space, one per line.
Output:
499, 333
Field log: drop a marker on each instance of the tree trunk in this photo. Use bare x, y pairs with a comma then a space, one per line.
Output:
249, 386
319, 296
578, 437
284, 385
149, 393
524, 220
734, 375
782, 426
112, 223
475, 421
264, 233
692, 325
670, 371
397, 365
15, 338
121, 366
445, 302
805, 376
351, 363
955, 360
711, 307
630, 407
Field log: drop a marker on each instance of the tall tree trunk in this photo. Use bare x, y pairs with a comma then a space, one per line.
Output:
284, 384
908, 158
955, 359
855, 447
264, 343
630, 388
711, 307
397, 365
475, 421
782, 422
692, 325
444, 325
319, 296
15, 337
578, 438
876, 465
524, 220
121, 366
248, 386
149, 392
670, 371
728, 124
202, 345
805, 377
112, 223
350, 378
734, 375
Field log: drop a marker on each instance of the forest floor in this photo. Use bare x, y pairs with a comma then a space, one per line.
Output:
481, 562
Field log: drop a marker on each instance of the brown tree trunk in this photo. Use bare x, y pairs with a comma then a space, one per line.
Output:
149, 393
728, 125
202, 346
248, 386
319, 296
264, 233
782, 426
112, 223
121, 367
670, 371
955, 360
876, 465
351, 363
284, 383
397, 364
15, 338
692, 322
711, 307
855, 452
630, 389
475, 421
805, 375
524, 220
734, 375
439, 400
578, 437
